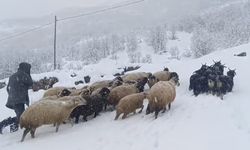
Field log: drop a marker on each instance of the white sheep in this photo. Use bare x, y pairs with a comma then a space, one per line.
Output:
56, 91
47, 112
135, 76
160, 95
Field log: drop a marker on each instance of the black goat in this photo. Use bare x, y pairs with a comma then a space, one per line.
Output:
210, 79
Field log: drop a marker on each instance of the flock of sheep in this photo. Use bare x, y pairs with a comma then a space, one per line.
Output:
211, 79
124, 93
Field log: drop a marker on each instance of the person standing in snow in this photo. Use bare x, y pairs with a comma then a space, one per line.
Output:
17, 89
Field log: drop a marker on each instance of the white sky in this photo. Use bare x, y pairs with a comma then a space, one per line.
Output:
29, 8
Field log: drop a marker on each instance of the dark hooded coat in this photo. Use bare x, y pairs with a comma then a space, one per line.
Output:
18, 86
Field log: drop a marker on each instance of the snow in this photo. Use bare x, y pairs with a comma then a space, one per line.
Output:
194, 123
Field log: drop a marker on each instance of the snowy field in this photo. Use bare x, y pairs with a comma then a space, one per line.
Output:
194, 123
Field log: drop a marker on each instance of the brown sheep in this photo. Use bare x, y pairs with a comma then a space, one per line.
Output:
77, 92
119, 92
160, 95
47, 112
160, 76
56, 91
107, 83
129, 104
64, 92
135, 76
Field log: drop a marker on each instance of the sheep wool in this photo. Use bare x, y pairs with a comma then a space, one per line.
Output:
135, 76
160, 95
119, 92
129, 104
56, 91
47, 112
158, 76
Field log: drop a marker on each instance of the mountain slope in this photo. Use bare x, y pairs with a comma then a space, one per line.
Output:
204, 122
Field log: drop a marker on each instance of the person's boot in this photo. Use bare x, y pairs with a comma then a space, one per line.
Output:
1, 128
14, 127
6, 122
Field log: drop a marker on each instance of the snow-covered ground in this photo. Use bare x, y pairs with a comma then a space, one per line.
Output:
194, 123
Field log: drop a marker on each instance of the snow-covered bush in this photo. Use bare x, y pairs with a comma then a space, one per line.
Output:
131, 43
175, 52
134, 57
147, 59
202, 44
187, 53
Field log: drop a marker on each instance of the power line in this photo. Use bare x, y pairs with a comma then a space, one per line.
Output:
71, 17
102, 10
25, 32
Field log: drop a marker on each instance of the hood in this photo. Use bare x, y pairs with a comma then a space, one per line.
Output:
25, 67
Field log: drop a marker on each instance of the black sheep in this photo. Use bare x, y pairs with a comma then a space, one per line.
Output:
95, 104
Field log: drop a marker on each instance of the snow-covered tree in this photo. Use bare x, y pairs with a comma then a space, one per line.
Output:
158, 39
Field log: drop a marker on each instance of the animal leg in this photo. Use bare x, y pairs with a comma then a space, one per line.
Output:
25, 132
32, 132
124, 116
71, 121
169, 106
105, 106
164, 109
96, 114
156, 113
141, 109
221, 96
85, 118
57, 126
77, 118
117, 116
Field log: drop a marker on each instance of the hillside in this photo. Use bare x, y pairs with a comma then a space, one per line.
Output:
204, 122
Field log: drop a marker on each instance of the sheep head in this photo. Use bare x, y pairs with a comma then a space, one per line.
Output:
141, 83
175, 77
152, 80
104, 92
165, 69
231, 73
85, 93
64, 92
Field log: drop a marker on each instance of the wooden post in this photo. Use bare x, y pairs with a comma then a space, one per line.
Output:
55, 45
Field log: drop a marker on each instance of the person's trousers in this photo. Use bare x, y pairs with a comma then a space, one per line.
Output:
13, 122
19, 109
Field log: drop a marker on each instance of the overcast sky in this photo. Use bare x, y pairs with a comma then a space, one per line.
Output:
10, 9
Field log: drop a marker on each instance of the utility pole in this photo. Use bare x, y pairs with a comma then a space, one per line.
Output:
55, 45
